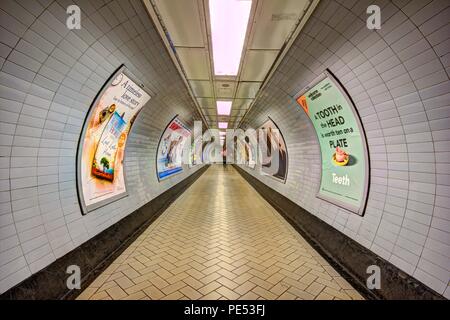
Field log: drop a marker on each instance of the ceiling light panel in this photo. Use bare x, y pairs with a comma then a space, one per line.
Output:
224, 108
229, 21
223, 125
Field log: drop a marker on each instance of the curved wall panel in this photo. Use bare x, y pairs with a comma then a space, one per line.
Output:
398, 78
49, 77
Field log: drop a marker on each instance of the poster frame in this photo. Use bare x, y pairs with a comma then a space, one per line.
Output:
85, 209
157, 149
287, 153
362, 208
256, 154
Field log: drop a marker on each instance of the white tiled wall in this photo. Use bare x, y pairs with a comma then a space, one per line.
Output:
49, 76
399, 79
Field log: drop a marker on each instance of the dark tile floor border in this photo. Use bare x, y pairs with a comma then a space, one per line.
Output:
96, 254
347, 256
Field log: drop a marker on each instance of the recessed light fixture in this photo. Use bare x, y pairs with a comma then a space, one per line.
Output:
223, 125
222, 134
229, 21
224, 108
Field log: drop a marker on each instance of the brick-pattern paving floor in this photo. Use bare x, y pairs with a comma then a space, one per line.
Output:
220, 240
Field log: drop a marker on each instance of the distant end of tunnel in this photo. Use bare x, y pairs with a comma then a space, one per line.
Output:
225, 150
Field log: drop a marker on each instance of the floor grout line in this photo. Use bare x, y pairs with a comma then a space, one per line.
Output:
220, 225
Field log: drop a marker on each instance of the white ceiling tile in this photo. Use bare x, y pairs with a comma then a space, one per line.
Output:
257, 64
212, 112
247, 89
206, 103
195, 63
241, 103
223, 119
275, 20
225, 89
236, 113
201, 88
182, 20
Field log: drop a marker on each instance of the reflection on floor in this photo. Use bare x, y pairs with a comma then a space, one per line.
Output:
220, 240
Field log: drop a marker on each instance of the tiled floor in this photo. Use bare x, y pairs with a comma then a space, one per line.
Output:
220, 240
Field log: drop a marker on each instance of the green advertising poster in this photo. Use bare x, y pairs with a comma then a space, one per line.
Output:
345, 165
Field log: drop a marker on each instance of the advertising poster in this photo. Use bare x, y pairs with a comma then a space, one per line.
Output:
101, 178
342, 142
205, 155
240, 152
250, 154
170, 149
195, 152
274, 159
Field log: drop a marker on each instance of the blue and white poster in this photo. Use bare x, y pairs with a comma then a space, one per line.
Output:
170, 149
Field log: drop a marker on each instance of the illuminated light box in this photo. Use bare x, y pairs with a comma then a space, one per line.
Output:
229, 20
274, 155
223, 125
250, 153
345, 159
101, 151
224, 108
195, 152
170, 149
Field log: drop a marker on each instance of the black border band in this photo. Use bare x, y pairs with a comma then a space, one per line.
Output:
347, 256
97, 253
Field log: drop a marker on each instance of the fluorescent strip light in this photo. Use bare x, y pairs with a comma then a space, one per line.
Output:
229, 21
223, 125
223, 108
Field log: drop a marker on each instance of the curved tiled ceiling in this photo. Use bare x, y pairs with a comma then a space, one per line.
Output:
187, 26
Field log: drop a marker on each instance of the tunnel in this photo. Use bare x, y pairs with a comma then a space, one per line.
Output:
224, 150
